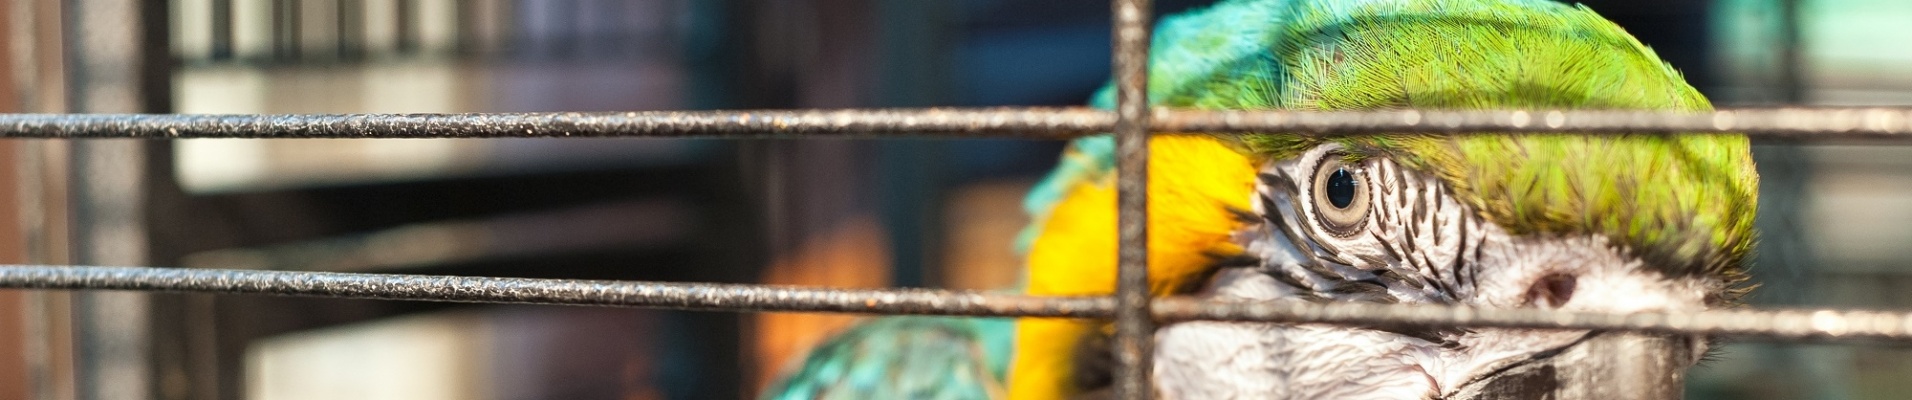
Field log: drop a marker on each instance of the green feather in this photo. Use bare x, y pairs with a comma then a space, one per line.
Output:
1684, 203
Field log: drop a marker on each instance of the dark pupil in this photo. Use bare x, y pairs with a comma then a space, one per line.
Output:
1341, 188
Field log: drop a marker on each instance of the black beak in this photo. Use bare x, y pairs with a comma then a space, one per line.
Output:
1613, 365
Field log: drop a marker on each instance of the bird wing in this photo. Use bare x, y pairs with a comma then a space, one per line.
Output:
907, 357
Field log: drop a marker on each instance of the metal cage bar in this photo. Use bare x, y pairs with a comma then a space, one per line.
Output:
1777, 124
1133, 121
1134, 331
1825, 325
1131, 307
1040, 123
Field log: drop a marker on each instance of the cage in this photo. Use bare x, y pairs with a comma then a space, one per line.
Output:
491, 210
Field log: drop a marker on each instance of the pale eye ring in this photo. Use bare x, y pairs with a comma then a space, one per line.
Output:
1340, 196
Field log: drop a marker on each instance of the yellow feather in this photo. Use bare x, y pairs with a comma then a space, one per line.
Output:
1193, 181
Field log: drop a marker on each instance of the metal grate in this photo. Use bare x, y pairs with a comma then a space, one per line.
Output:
1133, 311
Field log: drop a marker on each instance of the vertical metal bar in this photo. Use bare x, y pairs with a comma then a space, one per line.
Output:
112, 342
111, 48
1134, 331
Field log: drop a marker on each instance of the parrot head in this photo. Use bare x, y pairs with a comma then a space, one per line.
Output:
1614, 223
1594, 223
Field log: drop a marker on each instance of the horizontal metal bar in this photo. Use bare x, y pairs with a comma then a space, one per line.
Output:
1029, 122
686, 296
1772, 123
1749, 323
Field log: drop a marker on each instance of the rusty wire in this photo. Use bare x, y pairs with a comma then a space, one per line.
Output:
1131, 307
1037, 123
1134, 344
1830, 325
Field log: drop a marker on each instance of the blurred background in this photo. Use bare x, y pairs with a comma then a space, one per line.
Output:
832, 212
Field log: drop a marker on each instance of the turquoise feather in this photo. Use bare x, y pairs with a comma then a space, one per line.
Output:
905, 358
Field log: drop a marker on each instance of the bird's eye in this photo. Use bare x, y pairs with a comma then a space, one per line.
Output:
1341, 188
1340, 196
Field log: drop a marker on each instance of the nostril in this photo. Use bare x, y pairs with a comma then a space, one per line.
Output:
1552, 290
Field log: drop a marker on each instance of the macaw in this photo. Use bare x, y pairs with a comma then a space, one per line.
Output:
1614, 223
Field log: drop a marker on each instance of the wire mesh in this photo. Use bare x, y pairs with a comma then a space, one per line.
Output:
1137, 314
1132, 121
